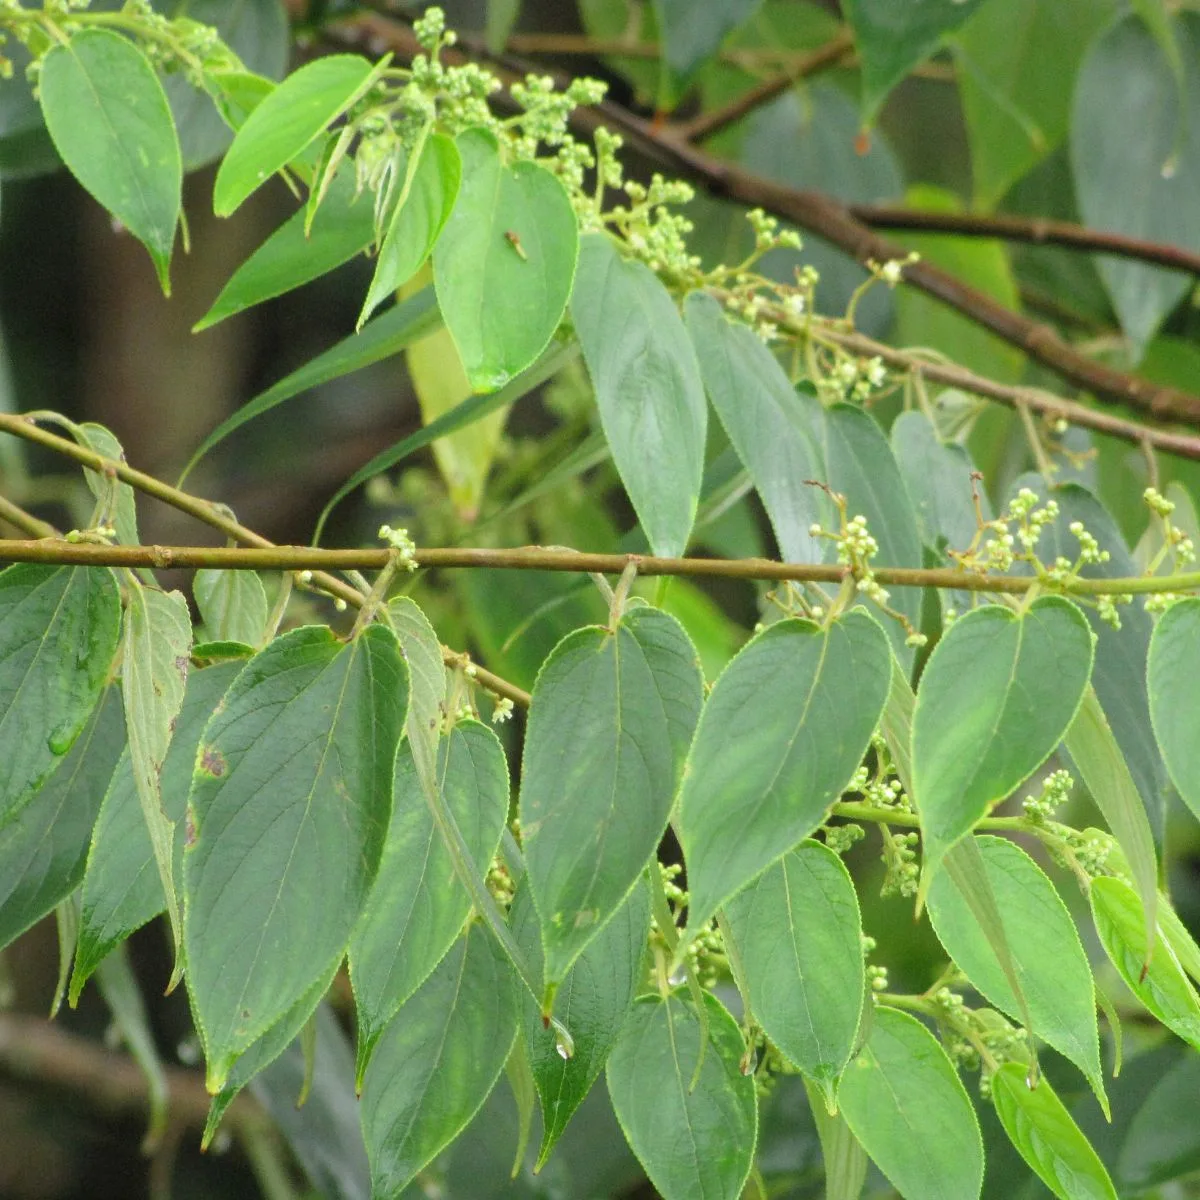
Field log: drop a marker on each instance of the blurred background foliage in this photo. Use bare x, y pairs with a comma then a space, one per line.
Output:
1085, 110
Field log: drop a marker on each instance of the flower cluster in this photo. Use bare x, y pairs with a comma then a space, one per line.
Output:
399, 541
1056, 791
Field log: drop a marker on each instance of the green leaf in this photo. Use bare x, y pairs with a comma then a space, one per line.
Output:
505, 261
894, 38
786, 726
286, 122
592, 1002
233, 605
122, 889
774, 428
58, 635
502, 16
1044, 947
692, 34
609, 724
799, 936
115, 499
1174, 653
157, 637
905, 1103
417, 907
844, 1159
692, 1140
1162, 986
1158, 1145
110, 121
648, 388
1040, 1127
290, 801
1017, 62
438, 1060
1137, 164
42, 856
424, 205
386, 335
997, 695
343, 227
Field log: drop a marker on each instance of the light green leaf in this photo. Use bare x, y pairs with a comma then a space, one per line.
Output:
110, 121
426, 200
1044, 947
233, 605
844, 1159
774, 428
58, 635
417, 907
343, 227
609, 724
427, 677
692, 1140
289, 802
1172, 674
1040, 1127
116, 499
905, 1103
799, 935
786, 726
648, 388
505, 261
1161, 986
286, 122
996, 697
438, 1060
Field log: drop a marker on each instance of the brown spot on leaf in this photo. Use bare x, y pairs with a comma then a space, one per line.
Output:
212, 762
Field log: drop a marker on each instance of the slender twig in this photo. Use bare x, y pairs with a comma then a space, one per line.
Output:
26, 522
712, 122
537, 558
214, 516
1038, 231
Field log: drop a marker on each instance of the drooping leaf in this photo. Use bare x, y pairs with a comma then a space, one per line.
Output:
343, 227
1161, 986
775, 429
286, 122
692, 1141
58, 635
42, 856
426, 199
1038, 1124
844, 1159
692, 34
996, 697
609, 725
290, 801
110, 121
1044, 946
894, 38
799, 935
505, 261
1172, 676
904, 1101
115, 497
438, 1060
122, 889
785, 727
592, 1002
1158, 1145
648, 388
417, 907
1137, 163
233, 605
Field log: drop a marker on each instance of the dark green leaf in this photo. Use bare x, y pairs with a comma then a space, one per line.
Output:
610, 721
692, 33
110, 121
799, 936
504, 264
427, 675
648, 388
425, 202
233, 606
1040, 1127
58, 635
438, 1060
693, 1141
1137, 164
417, 907
42, 856
289, 802
786, 726
904, 1102
996, 697
592, 1002
1172, 672
1044, 946
844, 1159
1159, 1146
286, 122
